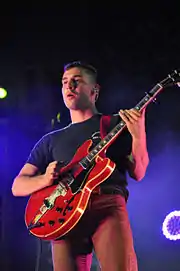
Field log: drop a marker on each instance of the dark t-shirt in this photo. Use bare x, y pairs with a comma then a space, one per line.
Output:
62, 144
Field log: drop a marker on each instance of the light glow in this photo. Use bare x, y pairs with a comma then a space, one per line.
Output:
171, 226
3, 93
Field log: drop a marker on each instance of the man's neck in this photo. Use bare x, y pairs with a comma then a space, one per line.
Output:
80, 116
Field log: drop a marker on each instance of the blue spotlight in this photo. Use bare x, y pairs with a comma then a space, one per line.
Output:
171, 226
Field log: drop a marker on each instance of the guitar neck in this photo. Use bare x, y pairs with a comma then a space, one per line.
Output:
115, 132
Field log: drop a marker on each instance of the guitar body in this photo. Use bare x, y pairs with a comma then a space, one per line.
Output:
68, 208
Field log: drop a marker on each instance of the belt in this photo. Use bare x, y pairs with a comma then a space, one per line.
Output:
104, 190
97, 190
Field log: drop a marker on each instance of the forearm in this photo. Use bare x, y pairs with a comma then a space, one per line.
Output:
25, 185
139, 159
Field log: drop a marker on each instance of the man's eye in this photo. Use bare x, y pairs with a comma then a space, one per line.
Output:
77, 80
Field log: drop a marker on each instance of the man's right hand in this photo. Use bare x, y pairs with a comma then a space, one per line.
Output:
51, 174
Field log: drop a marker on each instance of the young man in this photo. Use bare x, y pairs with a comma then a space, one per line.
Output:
105, 225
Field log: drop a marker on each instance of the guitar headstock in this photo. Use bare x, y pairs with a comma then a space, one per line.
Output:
175, 76
172, 79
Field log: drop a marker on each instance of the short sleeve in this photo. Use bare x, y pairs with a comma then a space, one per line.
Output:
40, 155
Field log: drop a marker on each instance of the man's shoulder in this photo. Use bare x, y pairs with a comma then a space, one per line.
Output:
53, 134
57, 132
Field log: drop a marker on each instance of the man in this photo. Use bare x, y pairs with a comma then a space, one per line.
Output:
105, 225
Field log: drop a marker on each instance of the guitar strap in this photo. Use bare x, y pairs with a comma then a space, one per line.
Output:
105, 122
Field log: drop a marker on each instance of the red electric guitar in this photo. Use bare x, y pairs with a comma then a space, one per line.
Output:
53, 211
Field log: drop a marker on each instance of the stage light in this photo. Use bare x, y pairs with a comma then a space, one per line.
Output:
171, 226
3, 93
58, 117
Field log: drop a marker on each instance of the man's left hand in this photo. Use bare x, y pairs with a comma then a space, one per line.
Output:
135, 122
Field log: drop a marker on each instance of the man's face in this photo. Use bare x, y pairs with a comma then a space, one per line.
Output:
82, 97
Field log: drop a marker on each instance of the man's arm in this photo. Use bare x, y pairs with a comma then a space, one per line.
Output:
28, 180
139, 158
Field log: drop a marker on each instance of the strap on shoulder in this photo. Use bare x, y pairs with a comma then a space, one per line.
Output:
104, 125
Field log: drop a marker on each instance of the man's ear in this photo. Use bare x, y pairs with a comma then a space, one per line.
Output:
95, 91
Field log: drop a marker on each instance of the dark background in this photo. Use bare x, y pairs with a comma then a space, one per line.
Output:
133, 46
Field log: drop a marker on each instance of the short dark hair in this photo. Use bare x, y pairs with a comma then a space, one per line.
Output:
87, 68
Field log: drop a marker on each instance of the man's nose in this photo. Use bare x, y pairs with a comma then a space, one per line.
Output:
69, 84
72, 84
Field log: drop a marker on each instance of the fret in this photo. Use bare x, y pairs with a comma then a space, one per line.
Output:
84, 163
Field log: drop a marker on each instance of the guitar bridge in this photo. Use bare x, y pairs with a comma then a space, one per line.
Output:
48, 204
60, 190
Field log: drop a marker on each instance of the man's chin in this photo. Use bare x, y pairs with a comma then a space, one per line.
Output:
72, 107
75, 106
